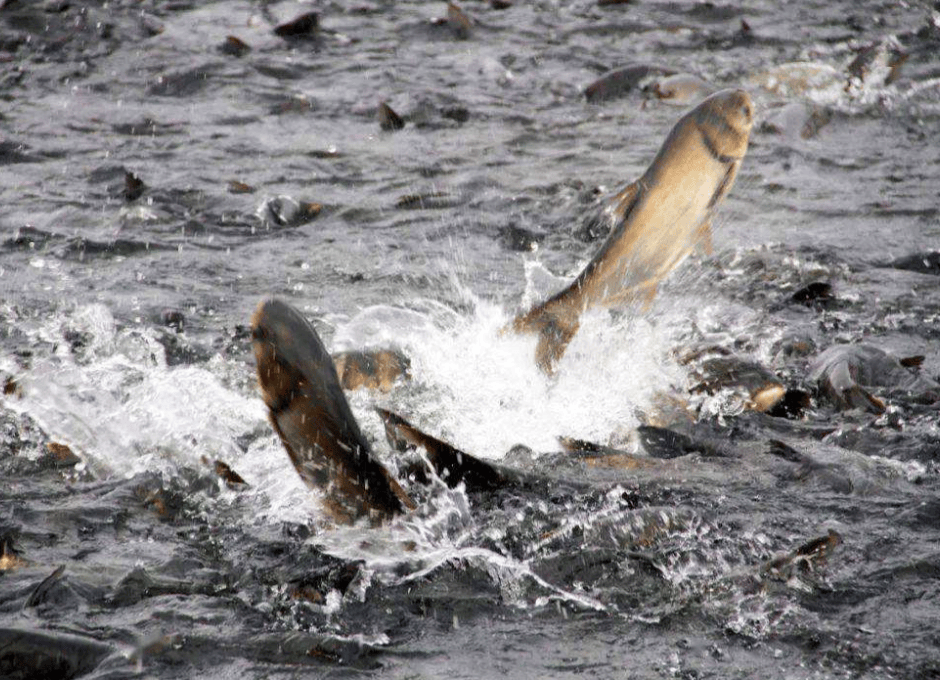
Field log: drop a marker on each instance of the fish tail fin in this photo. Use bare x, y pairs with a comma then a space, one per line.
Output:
857, 396
554, 333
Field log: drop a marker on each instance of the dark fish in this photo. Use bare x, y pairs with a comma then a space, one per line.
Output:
623, 81
815, 293
388, 119
922, 263
310, 414
286, 211
61, 455
234, 47
845, 374
49, 654
454, 466
793, 405
134, 187
805, 559
236, 187
173, 318
763, 388
11, 387
304, 26
458, 21
39, 592
232, 479
450, 464
519, 239
661, 442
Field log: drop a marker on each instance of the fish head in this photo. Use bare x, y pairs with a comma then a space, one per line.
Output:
725, 120
282, 346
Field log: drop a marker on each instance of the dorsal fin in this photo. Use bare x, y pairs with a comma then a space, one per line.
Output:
451, 465
310, 413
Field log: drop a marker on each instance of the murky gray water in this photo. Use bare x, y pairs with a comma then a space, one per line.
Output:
123, 336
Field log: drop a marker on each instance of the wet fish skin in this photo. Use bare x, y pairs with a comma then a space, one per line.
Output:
621, 81
844, 374
375, 370
310, 414
659, 220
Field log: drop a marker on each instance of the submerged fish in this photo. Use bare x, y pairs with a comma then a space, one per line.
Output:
846, 374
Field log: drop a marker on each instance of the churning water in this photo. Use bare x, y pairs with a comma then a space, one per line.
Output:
685, 552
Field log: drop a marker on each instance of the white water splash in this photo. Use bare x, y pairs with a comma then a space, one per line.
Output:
479, 388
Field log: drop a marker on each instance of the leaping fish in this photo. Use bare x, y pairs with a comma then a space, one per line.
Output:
658, 220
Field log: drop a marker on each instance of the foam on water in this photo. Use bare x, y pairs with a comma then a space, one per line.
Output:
478, 387
117, 404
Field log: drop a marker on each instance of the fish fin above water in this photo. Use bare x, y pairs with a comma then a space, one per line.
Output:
787, 452
310, 414
840, 385
389, 121
803, 560
857, 396
450, 464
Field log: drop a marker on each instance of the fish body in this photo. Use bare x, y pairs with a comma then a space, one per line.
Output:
659, 220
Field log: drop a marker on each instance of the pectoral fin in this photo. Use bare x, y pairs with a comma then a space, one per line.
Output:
623, 203
726, 183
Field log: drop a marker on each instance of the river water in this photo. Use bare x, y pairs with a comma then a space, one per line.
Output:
127, 370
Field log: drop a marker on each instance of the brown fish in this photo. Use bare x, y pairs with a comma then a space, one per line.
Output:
620, 82
310, 414
376, 370
458, 21
847, 374
450, 464
762, 388
658, 220
303, 26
